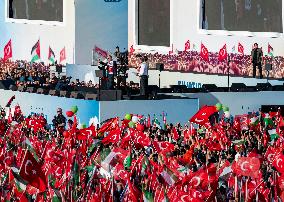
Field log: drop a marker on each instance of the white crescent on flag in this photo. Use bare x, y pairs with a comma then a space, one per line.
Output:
243, 164
7, 50
198, 181
204, 52
199, 120
184, 198
26, 165
222, 52
56, 172
269, 157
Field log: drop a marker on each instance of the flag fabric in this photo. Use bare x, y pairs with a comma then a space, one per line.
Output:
35, 52
10, 101
156, 123
175, 134
51, 56
240, 49
202, 116
247, 166
163, 146
62, 55
131, 50
148, 121
85, 133
223, 55
113, 136
270, 51
273, 134
32, 173
108, 125
101, 52
187, 45
148, 196
164, 120
128, 160
169, 176
8, 53
278, 163
204, 54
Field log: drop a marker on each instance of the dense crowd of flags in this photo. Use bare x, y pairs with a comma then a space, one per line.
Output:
87, 164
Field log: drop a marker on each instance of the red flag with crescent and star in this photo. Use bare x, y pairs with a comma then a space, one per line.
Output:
113, 136
223, 55
202, 116
62, 55
8, 51
278, 163
204, 54
247, 166
32, 173
187, 46
163, 146
241, 49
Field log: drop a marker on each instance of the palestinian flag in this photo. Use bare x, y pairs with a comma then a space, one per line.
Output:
165, 120
267, 120
270, 51
35, 52
31, 148
254, 121
156, 122
273, 134
147, 196
51, 56
128, 160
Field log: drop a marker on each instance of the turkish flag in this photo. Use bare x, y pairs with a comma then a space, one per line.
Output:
85, 133
31, 172
141, 139
62, 55
278, 163
271, 153
8, 51
187, 45
132, 50
120, 173
241, 48
202, 116
246, 166
113, 136
204, 54
108, 125
175, 133
163, 146
223, 55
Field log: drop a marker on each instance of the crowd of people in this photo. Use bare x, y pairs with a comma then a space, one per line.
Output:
139, 158
190, 61
27, 74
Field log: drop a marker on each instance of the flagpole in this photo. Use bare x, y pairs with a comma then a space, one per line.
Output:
246, 197
241, 189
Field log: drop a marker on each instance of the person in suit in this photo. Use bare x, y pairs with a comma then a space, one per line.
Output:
111, 72
256, 59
